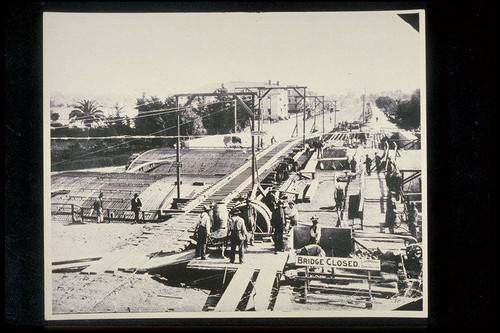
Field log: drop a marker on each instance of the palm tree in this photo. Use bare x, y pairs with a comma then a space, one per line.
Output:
88, 112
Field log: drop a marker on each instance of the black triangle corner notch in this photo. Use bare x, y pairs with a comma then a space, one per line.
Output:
412, 19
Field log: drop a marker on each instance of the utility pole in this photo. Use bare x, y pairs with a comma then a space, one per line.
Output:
364, 106
335, 115
296, 117
178, 153
323, 108
261, 123
253, 142
304, 122
235, 117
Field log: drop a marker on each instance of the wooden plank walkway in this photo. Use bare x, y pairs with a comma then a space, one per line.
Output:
284, 299
259, 256
375, 195
264, 287
243, 176
234, 291
106, 261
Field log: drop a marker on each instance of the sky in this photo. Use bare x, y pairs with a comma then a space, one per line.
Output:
168, 53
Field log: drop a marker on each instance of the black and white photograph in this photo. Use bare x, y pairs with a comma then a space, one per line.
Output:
235, 165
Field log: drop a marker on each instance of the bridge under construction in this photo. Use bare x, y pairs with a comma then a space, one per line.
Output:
155, 269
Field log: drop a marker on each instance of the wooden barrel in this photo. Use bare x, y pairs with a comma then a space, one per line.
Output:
221, 216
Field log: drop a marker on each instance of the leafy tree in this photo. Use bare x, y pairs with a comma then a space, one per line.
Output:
155, 115
119, 125
387, 104
218, 118
408, 112
54, 116
191, 122
87, 111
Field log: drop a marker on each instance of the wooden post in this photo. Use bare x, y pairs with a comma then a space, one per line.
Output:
306, 285
369, 304
304, 122
72, 213
81, 213
177, 150
224, 277
253, 141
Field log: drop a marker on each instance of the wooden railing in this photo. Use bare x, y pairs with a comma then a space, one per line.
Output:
78, 214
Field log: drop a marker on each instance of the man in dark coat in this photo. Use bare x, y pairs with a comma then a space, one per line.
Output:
390, 217
368, 165
278, 224
314, 231
378, 162
271, 200
136, 206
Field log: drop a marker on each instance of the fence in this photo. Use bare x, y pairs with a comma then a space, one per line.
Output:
77, 214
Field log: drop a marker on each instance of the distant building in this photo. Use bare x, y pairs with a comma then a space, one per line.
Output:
294, 101
275, 104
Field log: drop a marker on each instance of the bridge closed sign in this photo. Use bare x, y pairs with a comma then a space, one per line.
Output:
332, 262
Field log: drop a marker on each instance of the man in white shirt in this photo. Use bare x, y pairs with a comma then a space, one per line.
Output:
292, 213
201, 232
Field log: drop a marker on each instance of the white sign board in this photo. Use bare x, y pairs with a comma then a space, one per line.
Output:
332, 262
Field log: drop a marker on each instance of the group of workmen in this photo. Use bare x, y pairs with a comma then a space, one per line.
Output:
242, 225
394, 182
98, 208
240, 232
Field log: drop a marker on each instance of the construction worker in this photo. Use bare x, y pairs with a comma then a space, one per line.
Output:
412, 220
271, 199
237, 235
136, 206
368, 165
313, 250
98, 208
338, 195
389, 168
314, 231
201, 232
292, 213
390, 217
251, 220
278, 224
353, 164
397, 183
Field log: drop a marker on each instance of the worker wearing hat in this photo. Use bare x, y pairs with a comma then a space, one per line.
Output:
136, 206
237, 234
202, 230
314, 231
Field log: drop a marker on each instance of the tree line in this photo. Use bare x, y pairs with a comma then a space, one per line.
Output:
406, 112
156, 116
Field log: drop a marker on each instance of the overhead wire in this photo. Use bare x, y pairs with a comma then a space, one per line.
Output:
133, 140
142, 114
